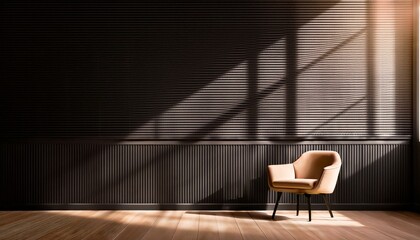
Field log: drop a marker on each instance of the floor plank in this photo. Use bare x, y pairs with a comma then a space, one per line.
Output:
187, 227
249, 229
320, 226
227, 226
265, 223
14, 217
114, 224
165, 226
191, 225
55, 223
401, 222
139, 225
295, 225
208, 228
31, 224
84, 223
382, 224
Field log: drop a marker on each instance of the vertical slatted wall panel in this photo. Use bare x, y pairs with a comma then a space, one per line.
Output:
206, 69
38, 174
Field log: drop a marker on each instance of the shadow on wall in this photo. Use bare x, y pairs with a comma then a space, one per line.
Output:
381, 177
82, 69
371, 178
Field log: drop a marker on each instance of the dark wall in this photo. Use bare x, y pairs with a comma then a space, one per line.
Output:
416, 177
373, 176
206, 70
80, 77
416, 174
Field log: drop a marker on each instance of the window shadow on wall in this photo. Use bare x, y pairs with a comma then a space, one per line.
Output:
98, 71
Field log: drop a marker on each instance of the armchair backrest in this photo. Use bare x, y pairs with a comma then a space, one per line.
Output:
311, 164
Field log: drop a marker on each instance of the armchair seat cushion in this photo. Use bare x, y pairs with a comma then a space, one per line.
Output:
297, 183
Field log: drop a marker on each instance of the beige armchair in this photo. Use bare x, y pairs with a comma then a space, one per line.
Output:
315, 172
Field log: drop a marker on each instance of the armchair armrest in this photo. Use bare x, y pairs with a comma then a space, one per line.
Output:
328, 180
281, 172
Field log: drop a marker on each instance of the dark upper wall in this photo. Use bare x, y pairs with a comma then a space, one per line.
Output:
206, 69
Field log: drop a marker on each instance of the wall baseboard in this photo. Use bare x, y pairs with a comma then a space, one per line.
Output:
193, 206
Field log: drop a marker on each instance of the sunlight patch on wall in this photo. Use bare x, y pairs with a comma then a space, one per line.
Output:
331, 89
384, 63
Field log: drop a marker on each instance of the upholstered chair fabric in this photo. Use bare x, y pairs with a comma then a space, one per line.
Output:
314, 172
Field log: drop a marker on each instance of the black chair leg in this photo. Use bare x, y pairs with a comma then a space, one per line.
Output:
277, 204
308, 196
297, 206
328, 204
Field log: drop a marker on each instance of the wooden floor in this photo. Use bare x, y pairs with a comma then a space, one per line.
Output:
229, 225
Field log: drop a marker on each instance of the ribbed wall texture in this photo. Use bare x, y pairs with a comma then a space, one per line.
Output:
206, 69
200, 70
48, 174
